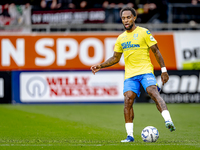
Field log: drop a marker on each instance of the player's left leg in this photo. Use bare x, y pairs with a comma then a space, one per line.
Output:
161, 105
149, 83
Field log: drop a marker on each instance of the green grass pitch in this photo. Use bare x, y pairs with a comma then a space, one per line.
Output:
95, 126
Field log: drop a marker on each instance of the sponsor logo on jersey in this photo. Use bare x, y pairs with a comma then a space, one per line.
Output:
128, 44
124, 37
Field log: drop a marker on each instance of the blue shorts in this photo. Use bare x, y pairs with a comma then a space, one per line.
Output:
133, 83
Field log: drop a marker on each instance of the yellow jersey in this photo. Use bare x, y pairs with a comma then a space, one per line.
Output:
135, 47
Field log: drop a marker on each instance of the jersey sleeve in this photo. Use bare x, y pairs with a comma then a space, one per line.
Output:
149, 38
118, 47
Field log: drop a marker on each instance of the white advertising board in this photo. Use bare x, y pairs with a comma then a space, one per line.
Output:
78, 86
187, 49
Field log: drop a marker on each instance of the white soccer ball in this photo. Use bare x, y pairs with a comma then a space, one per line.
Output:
150, 134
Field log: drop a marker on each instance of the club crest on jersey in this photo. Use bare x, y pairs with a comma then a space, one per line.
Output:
135, 36
128, 44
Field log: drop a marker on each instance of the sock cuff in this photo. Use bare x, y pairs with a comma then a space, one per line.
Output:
164, 112
129, 126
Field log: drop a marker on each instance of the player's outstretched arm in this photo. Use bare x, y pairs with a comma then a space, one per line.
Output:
111, 61
160, 60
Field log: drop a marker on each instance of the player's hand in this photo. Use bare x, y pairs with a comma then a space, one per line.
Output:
164, 77
95, 68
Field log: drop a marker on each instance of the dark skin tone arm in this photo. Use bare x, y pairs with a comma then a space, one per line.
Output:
110, 62
159, 58
116, 58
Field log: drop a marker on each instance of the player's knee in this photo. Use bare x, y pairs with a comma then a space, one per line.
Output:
128, 101
129, 98
152, 91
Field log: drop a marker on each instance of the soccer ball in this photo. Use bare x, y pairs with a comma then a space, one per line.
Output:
150, 134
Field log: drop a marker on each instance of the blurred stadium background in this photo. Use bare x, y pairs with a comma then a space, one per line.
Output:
47, 49
48, 46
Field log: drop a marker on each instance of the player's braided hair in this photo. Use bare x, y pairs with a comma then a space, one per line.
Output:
130, 9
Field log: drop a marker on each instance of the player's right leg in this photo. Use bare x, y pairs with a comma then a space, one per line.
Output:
129, 97
131, 89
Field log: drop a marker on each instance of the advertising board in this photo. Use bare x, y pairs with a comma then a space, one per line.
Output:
187, 50
71, 16
183, 86
70, 51
74, 52
67, 86
5, 87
